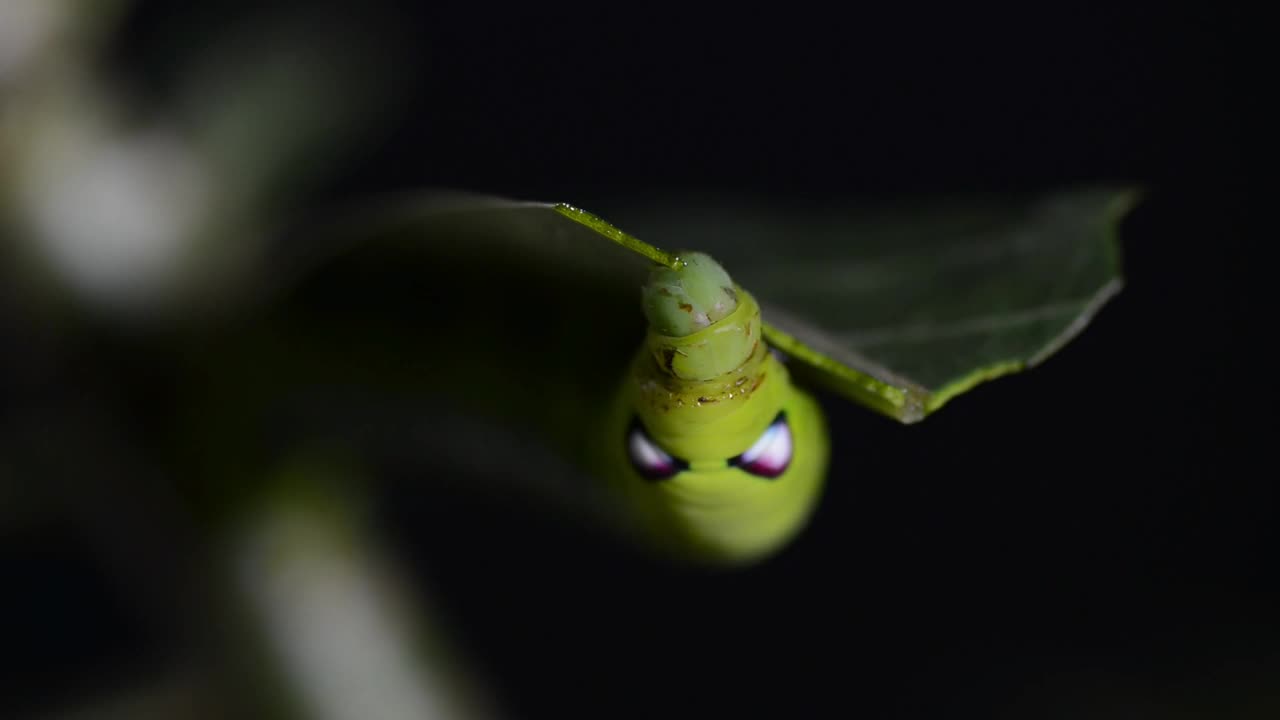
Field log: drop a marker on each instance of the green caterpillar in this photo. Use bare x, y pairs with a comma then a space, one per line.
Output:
718, 455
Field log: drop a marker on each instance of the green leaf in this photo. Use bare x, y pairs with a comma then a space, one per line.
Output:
906, 306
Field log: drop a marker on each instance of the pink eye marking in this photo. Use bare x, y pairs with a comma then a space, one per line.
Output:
770, 455
651, 461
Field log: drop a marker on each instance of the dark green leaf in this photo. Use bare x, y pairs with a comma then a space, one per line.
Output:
904, 307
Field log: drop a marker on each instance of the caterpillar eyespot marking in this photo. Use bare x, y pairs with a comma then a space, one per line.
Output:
770, 456
648, 459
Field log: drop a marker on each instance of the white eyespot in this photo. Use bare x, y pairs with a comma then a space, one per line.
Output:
770, 455
651, 461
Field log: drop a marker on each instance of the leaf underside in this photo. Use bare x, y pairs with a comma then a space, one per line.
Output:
900, 308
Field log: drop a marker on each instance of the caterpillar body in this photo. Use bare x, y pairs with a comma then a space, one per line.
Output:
718, 457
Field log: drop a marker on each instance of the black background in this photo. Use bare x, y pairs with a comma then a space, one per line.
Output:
1092, 539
